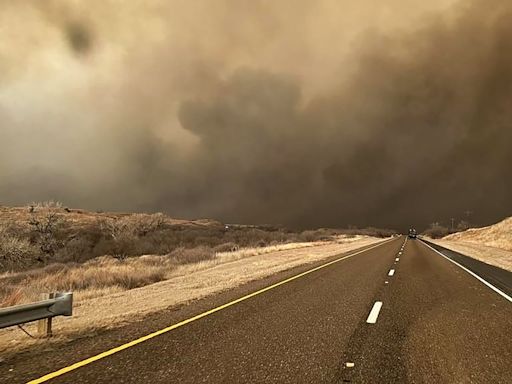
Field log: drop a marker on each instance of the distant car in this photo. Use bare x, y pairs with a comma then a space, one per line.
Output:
412, 233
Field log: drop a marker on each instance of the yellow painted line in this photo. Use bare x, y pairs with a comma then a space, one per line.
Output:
110, 352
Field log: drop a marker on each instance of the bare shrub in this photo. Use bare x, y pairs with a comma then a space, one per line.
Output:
46, 225
136, 224
463, 225
226, 247
119, 238
113, 228
121, 247
123, 235
191, 255
378, 232
315, 235
143, 224
436, 231
49, 204
14, 252
369, 231
77, 249
262, 243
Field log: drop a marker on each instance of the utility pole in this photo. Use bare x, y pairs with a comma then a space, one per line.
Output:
468, 213
453, 224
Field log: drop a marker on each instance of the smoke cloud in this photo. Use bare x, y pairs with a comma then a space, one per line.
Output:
325, 113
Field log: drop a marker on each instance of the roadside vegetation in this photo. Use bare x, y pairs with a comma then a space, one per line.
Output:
438, 230
49, 247
107, 282
491, 244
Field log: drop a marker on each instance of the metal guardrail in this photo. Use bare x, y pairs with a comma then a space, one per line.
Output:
59, 304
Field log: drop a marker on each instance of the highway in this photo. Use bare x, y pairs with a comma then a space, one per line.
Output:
395, 313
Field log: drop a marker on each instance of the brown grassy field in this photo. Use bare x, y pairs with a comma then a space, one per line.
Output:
107, 274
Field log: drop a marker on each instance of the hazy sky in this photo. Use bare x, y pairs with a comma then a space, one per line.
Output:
305, 113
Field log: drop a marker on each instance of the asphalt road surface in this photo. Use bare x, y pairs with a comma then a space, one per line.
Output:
385, 315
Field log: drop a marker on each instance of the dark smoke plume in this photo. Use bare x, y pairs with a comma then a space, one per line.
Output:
79, 38
414, 127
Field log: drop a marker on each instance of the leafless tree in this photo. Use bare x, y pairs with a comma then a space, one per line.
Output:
45, 224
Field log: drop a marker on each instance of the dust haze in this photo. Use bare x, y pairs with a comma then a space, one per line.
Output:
302, 113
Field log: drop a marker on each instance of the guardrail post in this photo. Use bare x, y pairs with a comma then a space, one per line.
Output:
44, 326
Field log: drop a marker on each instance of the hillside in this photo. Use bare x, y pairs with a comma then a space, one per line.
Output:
492, 244
79, 218
44, 233
498, 235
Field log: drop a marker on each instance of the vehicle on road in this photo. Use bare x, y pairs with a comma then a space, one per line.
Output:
412, 233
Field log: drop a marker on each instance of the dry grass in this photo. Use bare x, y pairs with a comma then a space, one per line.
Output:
99, 276
248, 252
492, 244
181, 283
12, 298
105, 273
80, 297
495, 256
191, 256
498, 235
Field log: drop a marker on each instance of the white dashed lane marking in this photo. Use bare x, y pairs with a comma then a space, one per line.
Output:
391, 272
374, 313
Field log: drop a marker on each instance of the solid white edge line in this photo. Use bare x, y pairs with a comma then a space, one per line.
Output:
374, 313
497, 290
391, 272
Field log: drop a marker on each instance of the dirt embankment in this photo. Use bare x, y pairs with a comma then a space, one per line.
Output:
498, 235
492, 244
